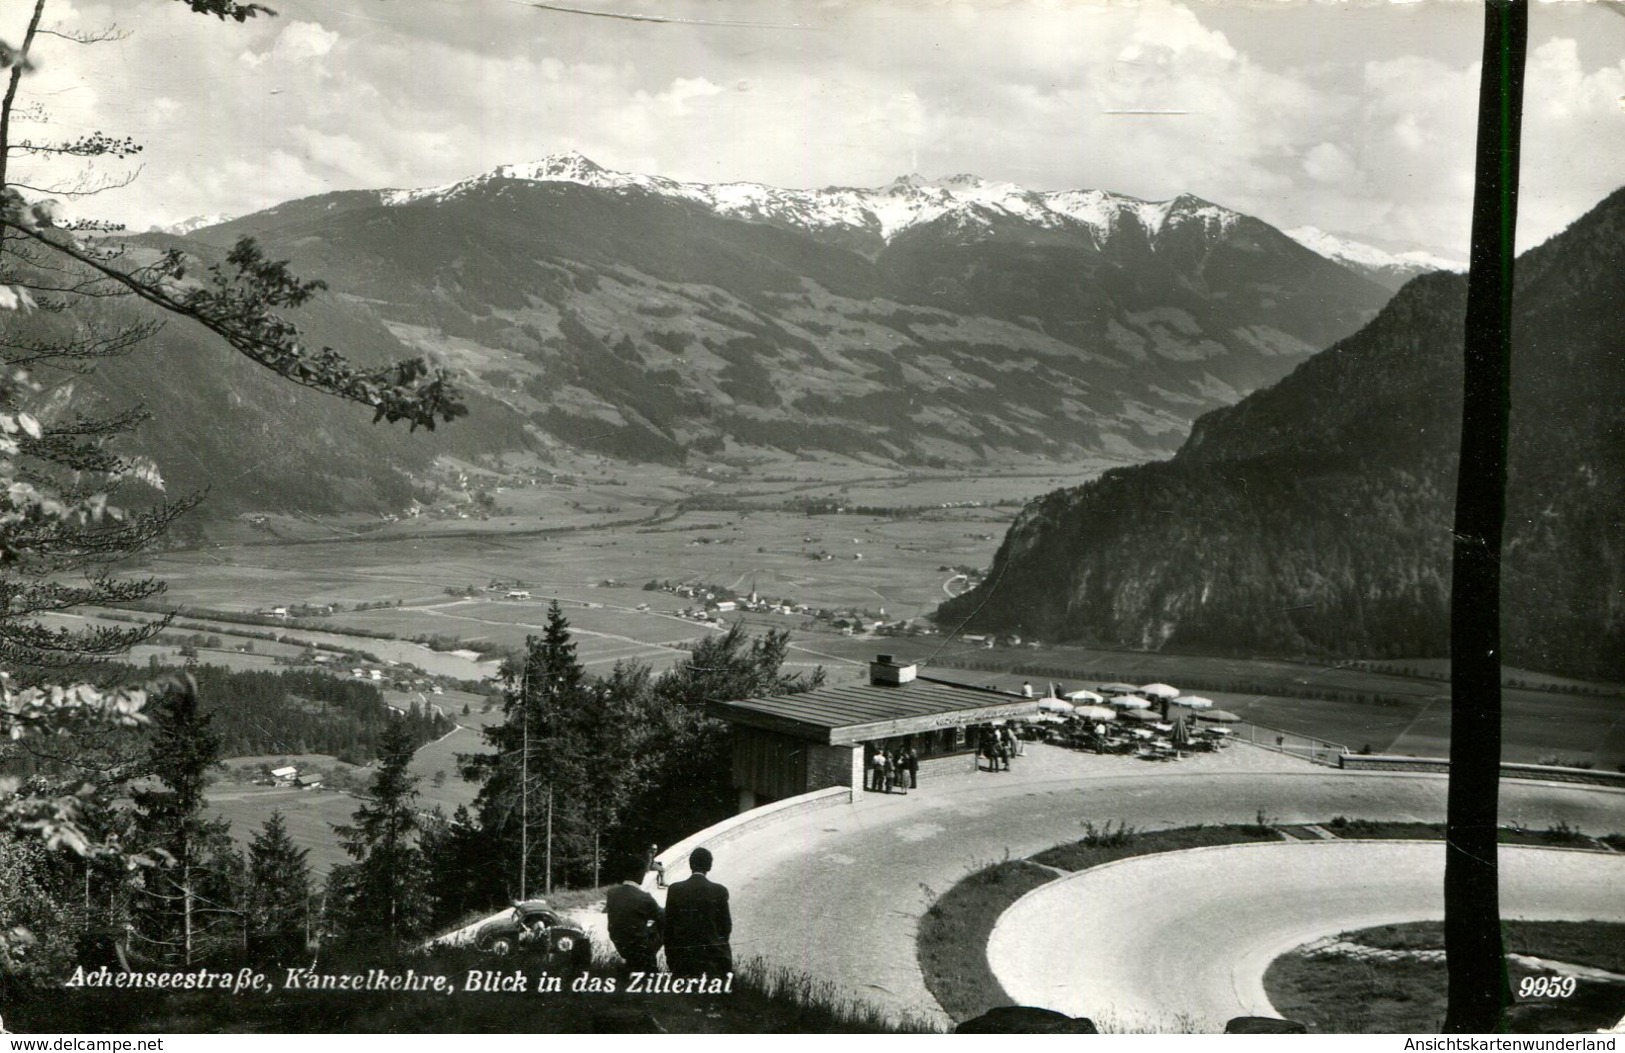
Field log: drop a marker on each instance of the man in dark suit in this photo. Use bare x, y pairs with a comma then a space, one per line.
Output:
635, 926
698, 923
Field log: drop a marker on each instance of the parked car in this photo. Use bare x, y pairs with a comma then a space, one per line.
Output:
533, 926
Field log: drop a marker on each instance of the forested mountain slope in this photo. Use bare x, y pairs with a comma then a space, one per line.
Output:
1314, 517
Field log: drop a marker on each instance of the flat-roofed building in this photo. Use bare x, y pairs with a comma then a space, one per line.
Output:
784, 745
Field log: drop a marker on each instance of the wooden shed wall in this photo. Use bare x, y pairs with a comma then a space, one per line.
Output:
769, 763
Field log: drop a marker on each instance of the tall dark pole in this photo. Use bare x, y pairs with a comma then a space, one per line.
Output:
524, 789
1478, 990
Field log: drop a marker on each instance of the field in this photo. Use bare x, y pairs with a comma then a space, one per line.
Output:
591, 538
308, 814
777, 551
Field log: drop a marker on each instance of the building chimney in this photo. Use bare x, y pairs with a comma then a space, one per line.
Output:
886, 671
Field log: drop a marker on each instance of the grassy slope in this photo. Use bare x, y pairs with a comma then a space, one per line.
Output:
1348, 995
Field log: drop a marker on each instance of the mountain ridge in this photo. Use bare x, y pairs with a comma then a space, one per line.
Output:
887, 211
1314, 516
650, 325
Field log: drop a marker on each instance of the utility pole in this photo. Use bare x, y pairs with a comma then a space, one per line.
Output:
524, 782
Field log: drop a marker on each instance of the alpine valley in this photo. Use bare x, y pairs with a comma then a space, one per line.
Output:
1314, 517
957, 323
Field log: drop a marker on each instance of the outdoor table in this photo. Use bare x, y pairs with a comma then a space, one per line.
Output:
1163, 727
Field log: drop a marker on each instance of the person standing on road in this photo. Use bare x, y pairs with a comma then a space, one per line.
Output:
878, 768
698, 922
911, 765
636, 924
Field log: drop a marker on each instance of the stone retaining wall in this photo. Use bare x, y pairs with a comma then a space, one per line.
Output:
675, 858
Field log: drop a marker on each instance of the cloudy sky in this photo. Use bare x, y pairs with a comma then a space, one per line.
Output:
1353, 117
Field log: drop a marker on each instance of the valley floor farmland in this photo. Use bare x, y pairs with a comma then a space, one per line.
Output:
593, 544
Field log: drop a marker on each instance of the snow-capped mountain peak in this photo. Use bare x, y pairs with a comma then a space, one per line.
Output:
1370, 260
187, 226
970, 202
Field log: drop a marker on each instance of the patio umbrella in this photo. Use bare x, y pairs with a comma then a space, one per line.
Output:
1142, 714
1083, 696
1117, 689
1096, 713
1181, 736
1129, 702
1160, 691
1218, 716
1055, 705
1194, 702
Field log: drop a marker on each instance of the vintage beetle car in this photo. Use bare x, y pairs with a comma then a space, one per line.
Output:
532, 925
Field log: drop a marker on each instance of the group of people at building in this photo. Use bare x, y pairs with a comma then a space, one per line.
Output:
694, 927
897, 768
998, 743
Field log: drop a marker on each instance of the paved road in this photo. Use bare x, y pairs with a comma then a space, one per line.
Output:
838, 893
1150, 964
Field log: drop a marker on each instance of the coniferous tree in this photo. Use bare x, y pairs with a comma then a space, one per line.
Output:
386, 889
456, 853
617, 736
278, 891
529, 806
687, 764
187, 906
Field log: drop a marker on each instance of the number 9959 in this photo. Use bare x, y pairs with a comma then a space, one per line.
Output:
1546, 986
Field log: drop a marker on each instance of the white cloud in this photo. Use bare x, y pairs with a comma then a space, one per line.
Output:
297, 42
344, 93
1329, 163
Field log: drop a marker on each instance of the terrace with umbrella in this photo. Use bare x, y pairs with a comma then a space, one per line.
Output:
1123, 718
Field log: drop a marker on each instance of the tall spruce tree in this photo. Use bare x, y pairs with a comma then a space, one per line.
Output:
457, 856
188, 906
617, 735
278, 892
530, 807
386, 890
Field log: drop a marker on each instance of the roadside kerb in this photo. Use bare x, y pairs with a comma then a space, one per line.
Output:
1220, 915
1441, 766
